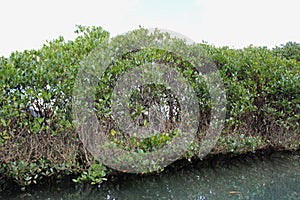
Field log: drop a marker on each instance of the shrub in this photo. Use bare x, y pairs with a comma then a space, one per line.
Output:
36, 124
38, 138
290, 50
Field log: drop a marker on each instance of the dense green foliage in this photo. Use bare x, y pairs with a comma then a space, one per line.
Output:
263, 97
290, 50
38, 138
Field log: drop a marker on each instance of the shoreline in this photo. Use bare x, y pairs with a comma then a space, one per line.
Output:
39, 136
210, 161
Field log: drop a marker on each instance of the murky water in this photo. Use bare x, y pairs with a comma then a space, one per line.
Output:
275, 177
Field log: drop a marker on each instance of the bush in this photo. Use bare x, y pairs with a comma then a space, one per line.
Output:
263, 94
36, 124
290, 50
38, 138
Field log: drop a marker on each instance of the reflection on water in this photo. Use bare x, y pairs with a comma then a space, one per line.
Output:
277, 177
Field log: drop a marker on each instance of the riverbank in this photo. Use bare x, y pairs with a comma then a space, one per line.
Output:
266, 166
40, 139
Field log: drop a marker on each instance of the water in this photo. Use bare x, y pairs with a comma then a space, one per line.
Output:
275, 177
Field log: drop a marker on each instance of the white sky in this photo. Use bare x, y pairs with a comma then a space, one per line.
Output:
27, 24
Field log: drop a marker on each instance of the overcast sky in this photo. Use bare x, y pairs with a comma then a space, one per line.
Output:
27, 24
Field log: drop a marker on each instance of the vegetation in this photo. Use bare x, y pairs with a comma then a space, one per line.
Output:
290, 50
38, 139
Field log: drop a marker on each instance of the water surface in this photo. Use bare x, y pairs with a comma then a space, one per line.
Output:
274, 177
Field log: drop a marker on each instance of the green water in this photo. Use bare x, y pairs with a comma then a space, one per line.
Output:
275, 177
